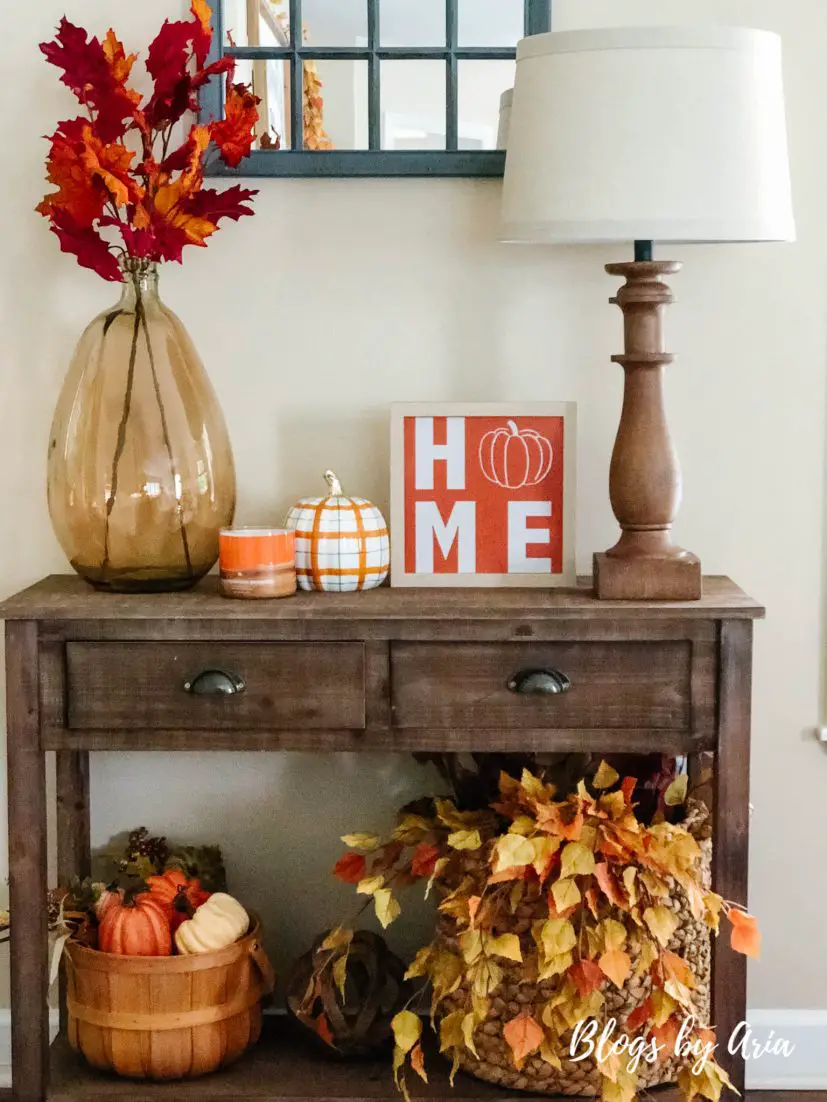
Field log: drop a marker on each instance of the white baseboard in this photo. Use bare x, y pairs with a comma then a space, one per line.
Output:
804, 1070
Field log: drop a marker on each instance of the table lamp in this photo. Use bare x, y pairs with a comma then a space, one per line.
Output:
644, 135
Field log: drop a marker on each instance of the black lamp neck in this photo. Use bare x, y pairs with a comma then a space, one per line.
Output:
643, 250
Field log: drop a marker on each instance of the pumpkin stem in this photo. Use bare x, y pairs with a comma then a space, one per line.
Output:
514, 430
181, 903
334, 484
130, 895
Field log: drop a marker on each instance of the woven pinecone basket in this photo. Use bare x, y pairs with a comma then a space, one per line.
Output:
517, 993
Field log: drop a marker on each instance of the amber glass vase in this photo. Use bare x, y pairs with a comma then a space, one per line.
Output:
141, 474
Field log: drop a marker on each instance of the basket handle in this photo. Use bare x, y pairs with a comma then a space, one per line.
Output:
262, 962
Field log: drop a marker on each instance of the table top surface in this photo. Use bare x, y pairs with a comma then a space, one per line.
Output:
67, 597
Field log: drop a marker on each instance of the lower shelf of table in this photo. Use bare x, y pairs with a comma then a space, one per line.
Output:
283, 1067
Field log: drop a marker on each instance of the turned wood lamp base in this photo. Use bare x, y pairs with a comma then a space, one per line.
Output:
645, 478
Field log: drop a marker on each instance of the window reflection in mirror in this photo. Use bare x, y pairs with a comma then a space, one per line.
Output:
412, 97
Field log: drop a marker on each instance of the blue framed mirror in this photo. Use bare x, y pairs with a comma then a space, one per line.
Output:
373, 87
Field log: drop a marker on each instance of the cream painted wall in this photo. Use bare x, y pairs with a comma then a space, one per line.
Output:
343, 296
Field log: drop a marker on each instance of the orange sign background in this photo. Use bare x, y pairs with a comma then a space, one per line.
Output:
467, 476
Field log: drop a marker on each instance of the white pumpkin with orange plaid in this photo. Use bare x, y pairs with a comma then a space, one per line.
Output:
342, 542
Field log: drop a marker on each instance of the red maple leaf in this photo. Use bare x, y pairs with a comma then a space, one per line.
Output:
86, 244
202, 30
96, 74
166, 63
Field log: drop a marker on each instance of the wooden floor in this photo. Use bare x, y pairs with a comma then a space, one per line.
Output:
285, 1068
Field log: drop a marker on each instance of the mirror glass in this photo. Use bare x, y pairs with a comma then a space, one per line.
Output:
413, 105
256, 23
480, 84
490, 22
412, 22
410, 93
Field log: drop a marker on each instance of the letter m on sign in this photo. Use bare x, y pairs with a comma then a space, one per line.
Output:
460, 529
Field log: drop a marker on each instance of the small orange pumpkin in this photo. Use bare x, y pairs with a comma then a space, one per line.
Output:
135, 925
105, 900
178, 895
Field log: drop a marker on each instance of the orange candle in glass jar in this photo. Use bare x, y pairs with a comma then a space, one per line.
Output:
257, 562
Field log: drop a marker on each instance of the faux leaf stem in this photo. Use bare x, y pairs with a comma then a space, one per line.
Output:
179, 505
120, 442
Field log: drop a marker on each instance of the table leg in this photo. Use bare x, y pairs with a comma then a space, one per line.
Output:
74, 857
27, 866
731, 832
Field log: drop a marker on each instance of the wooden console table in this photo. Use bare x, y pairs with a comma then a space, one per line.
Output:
396, 670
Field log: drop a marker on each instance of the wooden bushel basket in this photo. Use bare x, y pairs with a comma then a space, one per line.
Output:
174, 1017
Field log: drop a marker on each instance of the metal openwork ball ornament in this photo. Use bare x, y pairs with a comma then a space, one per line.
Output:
357, 1023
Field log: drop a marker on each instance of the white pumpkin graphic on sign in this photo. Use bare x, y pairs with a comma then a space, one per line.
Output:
515, 458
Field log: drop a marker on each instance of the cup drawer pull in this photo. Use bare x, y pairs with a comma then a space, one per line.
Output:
543, 682
215, 683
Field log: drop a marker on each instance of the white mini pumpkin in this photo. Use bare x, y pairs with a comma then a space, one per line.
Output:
342, 542
217, 923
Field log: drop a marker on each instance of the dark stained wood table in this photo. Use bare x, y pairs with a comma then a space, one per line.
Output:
390, 669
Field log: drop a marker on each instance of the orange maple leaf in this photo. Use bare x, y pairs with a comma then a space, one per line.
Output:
171, 198
746, 937
203, 13
77, 194
235, 133
110, 164
120, 63
523, 1036
167, 203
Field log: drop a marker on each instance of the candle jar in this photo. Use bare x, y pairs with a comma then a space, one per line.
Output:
257, 563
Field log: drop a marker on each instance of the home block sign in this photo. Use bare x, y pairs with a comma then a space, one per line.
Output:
483, 495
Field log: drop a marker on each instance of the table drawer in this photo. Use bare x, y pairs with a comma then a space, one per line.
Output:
642, 685
187, 685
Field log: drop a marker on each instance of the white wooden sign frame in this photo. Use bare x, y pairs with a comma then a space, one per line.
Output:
508, 411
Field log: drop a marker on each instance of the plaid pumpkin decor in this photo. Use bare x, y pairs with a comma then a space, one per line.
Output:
342, 543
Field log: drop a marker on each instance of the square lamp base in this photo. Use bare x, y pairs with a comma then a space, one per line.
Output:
647, 579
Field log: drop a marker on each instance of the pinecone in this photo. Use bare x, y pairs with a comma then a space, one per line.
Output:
54, 905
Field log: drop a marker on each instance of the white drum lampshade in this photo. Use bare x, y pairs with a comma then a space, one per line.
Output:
667, 134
